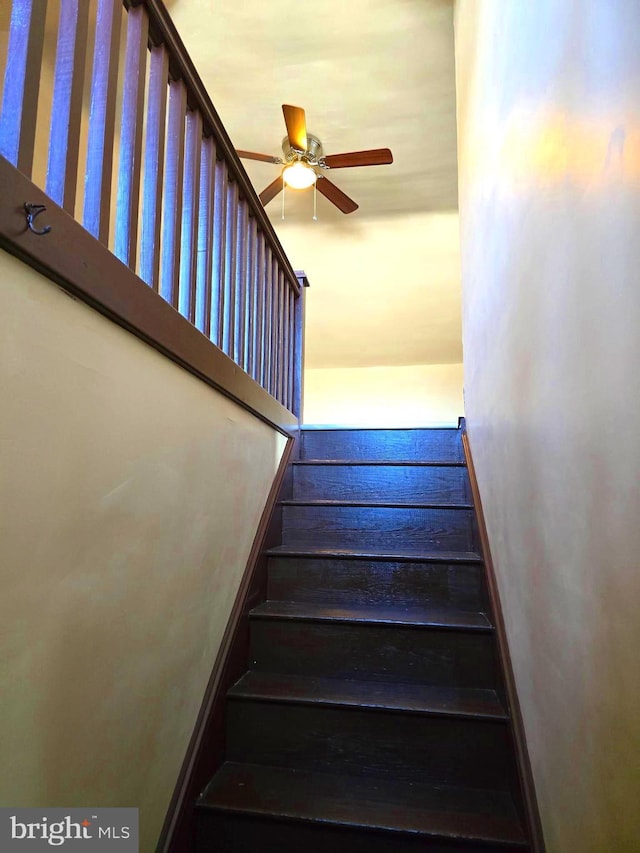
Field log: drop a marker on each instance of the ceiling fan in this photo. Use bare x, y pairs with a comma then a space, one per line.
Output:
303, 156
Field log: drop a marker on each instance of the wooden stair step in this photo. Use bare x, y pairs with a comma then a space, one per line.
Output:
393, 615
343, 526
407, 445
377, 504
409, 483
429, 812
378, 463
293, 640
409, 698
411, 554
332, 579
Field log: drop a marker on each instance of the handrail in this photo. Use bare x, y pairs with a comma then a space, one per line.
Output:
187, 220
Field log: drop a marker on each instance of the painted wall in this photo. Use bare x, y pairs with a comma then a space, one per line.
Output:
549, 151
130, 493
383, 291
408, 395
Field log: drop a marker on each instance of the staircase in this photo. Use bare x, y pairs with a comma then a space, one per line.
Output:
372, 717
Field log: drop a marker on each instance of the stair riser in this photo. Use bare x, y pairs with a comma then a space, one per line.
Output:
376, 582
379, 527
449, 658
381, 483
402, 747
426, 445
228, 833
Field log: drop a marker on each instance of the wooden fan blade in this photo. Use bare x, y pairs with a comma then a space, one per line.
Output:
251, 155
271, 191
375, 157
296, 122
335, 195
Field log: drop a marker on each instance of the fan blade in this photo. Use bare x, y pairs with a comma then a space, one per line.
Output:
335, 195
251, 155
271, 191
375, 157
296, 122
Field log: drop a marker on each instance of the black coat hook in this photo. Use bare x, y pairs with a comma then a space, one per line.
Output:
34, 210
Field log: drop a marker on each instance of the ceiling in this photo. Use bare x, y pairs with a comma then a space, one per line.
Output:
385, 280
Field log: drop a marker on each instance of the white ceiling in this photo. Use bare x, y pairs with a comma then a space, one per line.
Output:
369, 73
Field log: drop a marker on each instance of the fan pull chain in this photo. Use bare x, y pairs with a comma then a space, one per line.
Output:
283, 191
315, 202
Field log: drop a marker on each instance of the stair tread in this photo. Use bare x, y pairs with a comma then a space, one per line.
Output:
417, 555
413, 698
399, 463
451, 813
398, 614
377, 504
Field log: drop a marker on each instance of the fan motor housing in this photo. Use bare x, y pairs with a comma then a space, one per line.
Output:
311, 155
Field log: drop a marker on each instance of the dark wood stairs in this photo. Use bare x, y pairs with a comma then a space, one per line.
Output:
373, 715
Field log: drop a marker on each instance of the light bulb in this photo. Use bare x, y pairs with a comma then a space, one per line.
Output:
299, 176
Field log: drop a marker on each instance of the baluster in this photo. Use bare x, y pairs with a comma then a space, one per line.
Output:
219, 251
131, 136
268, 317
228, 299
260, 315
242, 226
205, 236
190, 213
22, 83
281, 337
173, 178
102, 116
252, 298
298, 351
275, 341
285, 348
66, 110
291, 298
154, 167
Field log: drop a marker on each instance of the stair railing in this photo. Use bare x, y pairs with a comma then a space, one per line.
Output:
162, 186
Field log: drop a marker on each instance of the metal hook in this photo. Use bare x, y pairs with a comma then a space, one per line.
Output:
34, 210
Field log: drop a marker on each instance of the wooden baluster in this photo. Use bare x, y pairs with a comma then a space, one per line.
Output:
102, 116
260, 314
190, 216
219, 251
252, 298
281, 337
205, 236
154, 167
131, 136
292, 339
286, 397
268, 319
229, 296
66, 110
242, 226
275, 339
173, 180
22, 83
298, 351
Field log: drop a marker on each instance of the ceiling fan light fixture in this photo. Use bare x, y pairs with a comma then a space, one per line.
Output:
299, 175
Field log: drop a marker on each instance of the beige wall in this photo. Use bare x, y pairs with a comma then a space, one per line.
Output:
130, 493
383, 291
408, 395
549, 150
